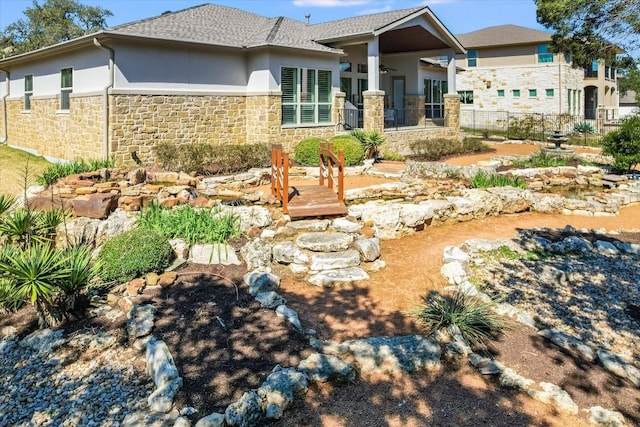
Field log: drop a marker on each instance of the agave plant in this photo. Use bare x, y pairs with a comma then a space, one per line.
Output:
370, 140
81, 270
19, 227
9, 299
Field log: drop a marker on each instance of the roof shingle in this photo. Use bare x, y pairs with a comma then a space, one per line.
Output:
503, 35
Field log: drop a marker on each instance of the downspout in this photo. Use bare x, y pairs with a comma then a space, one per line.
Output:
105, 101
5, 126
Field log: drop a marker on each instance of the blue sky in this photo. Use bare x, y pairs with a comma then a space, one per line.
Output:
459, 16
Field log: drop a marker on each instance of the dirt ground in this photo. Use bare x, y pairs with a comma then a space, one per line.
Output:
224, 344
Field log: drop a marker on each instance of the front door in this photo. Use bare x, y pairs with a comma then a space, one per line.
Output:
398, 98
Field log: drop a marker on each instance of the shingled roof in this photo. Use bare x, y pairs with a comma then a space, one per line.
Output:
360, 25
223, 26
503, 35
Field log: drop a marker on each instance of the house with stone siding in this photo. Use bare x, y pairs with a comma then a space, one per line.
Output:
219, 75
511, 68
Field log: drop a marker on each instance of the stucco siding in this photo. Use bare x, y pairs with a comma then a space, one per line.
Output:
170, 68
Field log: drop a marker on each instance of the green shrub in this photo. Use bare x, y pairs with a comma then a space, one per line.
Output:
526, 127
393, 156
191, 224
208, 159
134, 253
624, 144
461, 314
436, 149
307, 151
483, 179
54, 172
543, 160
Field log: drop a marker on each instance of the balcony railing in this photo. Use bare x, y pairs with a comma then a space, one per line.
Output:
394, 118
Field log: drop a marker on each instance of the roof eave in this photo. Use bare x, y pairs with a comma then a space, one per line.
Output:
55, 49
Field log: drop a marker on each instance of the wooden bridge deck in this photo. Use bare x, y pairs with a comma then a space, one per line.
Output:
314, 200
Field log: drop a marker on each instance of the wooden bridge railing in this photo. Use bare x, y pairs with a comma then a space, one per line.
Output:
328, 164
280, 175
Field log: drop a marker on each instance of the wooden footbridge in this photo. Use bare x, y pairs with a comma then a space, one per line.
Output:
299, 201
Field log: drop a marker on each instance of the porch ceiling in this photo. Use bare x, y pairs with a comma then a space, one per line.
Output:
410, 39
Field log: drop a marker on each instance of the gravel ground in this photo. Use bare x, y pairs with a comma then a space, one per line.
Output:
591, 295
87, 379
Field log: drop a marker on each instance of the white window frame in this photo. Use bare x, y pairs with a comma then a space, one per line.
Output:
65, 91
27, 93
313, 101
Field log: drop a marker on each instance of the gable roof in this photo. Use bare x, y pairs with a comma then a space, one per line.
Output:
503, 35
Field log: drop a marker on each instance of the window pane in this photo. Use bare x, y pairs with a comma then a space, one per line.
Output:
500, 92
289, 114
427, 91
28, 83
289, 85
445, 89
345, 67
549, 92
472, 58
64, 99
363, 68
533, 92
324, 113
324, 86
66, 78
437, 93
307, 114
27, 101
307, 85
516, 93
345, 86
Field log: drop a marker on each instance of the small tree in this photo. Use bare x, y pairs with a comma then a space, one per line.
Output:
624, 144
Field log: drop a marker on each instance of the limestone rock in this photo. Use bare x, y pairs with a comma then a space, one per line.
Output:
270, 299
256, 253
180, 248
161, 400
260, 281
369, 248
513, 200
246, 412
395, 354
144, 418
216, 253
454, 272
324, 242
160, 364
251, 216
509, 378
555, 396
287, 253
335, 260
606, 418
310, 225
343, 225
211, 420
454, 253
279, 389
289, 314
569, 343
323, 367
620, 366
328, 278
167, 278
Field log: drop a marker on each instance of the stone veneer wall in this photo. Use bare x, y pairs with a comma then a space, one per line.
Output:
49, 132
399, 141
139, 122
373, 104
452, 113
264, 116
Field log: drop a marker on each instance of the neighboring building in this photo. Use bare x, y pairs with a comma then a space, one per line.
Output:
510, 68
219, 75
629, 104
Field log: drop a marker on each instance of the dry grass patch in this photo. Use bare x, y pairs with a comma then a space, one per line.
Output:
13, 165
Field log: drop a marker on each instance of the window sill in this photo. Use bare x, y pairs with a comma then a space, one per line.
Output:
25, 112
306, 125
62, 112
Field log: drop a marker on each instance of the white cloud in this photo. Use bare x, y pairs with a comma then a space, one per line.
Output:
329, 3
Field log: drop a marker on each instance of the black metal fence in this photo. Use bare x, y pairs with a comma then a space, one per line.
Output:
394, 118
535, 126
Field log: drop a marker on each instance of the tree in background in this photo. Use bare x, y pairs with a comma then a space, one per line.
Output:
51, 22
591, 29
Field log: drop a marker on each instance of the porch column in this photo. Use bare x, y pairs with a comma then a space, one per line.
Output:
337, 115
373, 65
373, 105
451, 76
452, 112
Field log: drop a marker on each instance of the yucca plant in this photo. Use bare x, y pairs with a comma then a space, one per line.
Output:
19, 227
9, 299
7, 202
371, 140
81, 271
459, 313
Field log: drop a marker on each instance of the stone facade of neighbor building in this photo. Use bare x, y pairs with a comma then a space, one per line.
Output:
511, 68
240, 78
